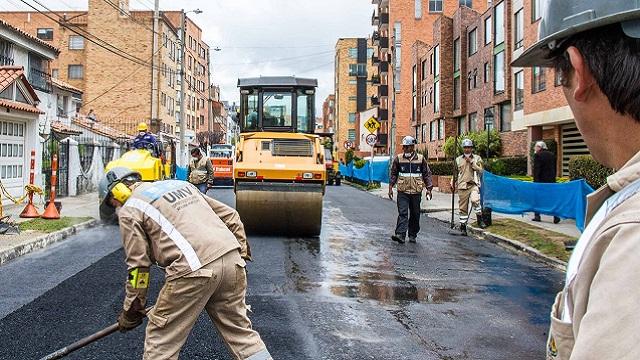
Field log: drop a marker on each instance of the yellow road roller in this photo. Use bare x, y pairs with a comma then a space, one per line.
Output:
279, 174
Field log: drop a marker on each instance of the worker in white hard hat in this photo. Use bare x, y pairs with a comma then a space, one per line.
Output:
470, 169
594, 46
201, 245
411, 173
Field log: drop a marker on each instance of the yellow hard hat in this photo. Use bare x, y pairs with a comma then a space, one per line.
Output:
143, 126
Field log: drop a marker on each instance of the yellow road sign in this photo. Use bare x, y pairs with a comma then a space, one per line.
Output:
372, 125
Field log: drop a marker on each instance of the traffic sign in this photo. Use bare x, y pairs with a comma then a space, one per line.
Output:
372, 124
348, 144
371, 139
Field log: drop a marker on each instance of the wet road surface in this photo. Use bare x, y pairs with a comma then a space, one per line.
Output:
351, 294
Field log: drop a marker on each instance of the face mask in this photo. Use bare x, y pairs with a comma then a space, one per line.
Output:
408, 155
142, 133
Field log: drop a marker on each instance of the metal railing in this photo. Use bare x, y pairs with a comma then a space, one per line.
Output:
6, 60
40, 80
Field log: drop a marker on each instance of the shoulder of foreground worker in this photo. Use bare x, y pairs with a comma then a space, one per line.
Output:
605, 293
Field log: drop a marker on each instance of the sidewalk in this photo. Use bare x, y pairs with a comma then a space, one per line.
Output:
439, 207
77, 210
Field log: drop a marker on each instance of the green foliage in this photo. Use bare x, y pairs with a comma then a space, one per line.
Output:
442, 168
508, 166
349, 156
359, 163
328, 143
479, 140
49, 226
424, 152
585, 167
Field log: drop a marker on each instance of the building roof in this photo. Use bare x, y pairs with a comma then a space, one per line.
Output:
10, 74
29, 36
65, 86
9, 104
277, 81
100, 129
62, 128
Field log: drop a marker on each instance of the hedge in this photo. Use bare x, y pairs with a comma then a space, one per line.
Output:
508, 166
442, 168
479, 140
584, 167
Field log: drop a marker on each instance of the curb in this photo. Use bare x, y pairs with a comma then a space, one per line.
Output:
511, 244
43, 241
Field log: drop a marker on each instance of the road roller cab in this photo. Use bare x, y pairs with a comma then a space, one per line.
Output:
280, 171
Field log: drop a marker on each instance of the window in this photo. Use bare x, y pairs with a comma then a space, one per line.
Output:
456, 54
441, 129
467, 3
414, 80
424, 133
489, 123
423, 69
353, 98
473, 42
55, 73
352, 118
505, 117
487, 30
76, 72
358, 70
45, 34
436, 60
469, 81
519, 29
498, 72
305, 112
353, 82
536, 11
487, 71
276, 109
456, 93
473, 122
418, 8
435, 5
351, 134
539, 82
436, 97
353, 53
433, 132
397, 35
498, 24
462, 125
519, 86
76, 42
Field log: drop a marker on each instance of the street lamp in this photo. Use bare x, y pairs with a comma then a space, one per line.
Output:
182, 154
488, 122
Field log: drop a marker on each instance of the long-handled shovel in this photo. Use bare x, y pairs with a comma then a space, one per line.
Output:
59, 354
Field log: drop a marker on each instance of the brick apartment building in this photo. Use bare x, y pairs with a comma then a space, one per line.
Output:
328, 113
120, 90
353, 88
399, 25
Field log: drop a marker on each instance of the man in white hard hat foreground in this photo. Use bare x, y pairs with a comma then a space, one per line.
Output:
470, 169
411, 173
595, 47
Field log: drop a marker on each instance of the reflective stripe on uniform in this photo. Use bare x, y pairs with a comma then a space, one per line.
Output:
169, 230
261, 355
410, 174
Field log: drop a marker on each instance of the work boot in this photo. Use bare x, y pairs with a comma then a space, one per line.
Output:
463, 229
412, 239
556, 219
480, 220
536, 218
398, 238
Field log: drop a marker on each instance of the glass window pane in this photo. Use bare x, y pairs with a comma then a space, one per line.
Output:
276, 110
499, 23
498, 72
250, 106
418, 8
304, 113
487, 30
10, 129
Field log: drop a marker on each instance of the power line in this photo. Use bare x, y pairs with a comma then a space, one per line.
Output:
277, 60
124, 13
315, 68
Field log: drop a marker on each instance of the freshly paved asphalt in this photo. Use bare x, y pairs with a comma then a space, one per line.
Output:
351, 294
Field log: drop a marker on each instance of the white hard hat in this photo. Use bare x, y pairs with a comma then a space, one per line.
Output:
408, 140
467, 143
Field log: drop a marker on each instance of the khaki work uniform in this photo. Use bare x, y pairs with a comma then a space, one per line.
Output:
597, 315
200, 243
412, 175
200, 171
468, 186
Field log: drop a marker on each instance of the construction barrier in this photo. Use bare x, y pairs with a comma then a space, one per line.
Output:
30, 210
51, 212
380, 171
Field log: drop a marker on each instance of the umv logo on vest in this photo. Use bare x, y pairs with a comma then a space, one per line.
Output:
179, 194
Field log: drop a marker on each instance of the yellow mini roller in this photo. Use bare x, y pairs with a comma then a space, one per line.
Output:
280, 174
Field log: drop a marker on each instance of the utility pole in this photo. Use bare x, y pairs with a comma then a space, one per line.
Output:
154, 64
210, 99
182, 156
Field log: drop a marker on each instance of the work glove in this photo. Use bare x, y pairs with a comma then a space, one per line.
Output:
130, 319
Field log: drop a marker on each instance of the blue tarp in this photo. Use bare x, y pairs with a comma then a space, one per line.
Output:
181, 173
380, 171
509, 196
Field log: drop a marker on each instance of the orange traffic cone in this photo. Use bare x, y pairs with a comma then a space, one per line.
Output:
51, 212
30, 210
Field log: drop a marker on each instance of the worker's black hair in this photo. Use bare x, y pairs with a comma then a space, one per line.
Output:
614, 60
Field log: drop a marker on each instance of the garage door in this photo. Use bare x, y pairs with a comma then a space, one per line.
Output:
12, 139
572, 145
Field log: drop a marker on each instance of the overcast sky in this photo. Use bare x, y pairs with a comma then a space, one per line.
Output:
262, 37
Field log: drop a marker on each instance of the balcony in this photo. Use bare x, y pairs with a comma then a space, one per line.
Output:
383, 90
383, 43
375, 59
375, 37
375, 20
383, 19
40, 80
375, 79
383, 67
375, 101
6, 60
383, 114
